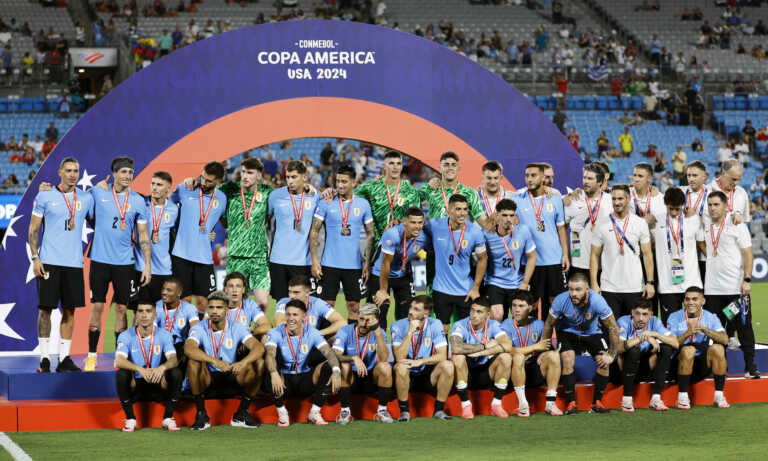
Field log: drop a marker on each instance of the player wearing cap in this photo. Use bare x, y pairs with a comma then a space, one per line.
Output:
58, 260
317, 312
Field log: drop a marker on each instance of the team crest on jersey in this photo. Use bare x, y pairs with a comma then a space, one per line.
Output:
515, 244
416, 248
588, 315
464, 243
312, 319
371, 348
308, 205
157, 348
181, 322
229, 343
357, 211
242, 319
167, 217
78, 205
549, 207
127, 206
258, 196
400, 201
215, 203
304, 348
534, 336
427, 341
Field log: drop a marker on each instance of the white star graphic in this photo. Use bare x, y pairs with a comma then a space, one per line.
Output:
85, 181
86, 231
10, 232
31, 270
5, 329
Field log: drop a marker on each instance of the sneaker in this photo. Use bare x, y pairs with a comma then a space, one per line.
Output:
734, 344
721, 403
524, 412
752, 372
552, 410
683, 403
345, 417
571, 409
169, 424
467, 413
383, 417
90, 363
45, 366
316, 418
628, 409
441, 415
598, 407
130, 425
658, 405
202, 422
405, 416
244, 419
498, 410
283, 420
67, 365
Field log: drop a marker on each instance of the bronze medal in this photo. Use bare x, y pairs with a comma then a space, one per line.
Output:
202, 228
122, 225
345, 230
155, 237
540, 227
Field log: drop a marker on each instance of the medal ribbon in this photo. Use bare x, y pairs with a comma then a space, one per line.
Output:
124, 209
506, 247
147, 361
297, 214
730, 195
70, 206
392, 201
621, 236
701, 315
702, 195
538, 210
488, 209
365, 345
677, 235
593, 211
520, 335
415, 347
169, 323
461, 237
485, 332
445, 198
157, 220
405, 249
216, 347
290, 346
345, 215
237, 312
715, 243
204, 216
246, 213
640, 213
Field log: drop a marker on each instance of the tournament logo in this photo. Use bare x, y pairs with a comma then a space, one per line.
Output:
228, 343
515, 244
157, 348
357, 211
550, 208
304, 348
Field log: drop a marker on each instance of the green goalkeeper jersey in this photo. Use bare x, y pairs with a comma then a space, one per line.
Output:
376, 194
438, 204
246, 241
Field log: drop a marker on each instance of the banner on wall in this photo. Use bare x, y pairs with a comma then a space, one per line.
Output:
8, 204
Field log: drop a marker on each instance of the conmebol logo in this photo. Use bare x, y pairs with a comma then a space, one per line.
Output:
91, 58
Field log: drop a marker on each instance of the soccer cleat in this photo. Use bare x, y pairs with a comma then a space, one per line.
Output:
598, 407
405, 416
169, 424
467, 413
441, 415
45, 366
345, 417
658, 405
90, 363
383, 417
316, 419
524, 412
552, 410
721, 403
283, 420
572, 409
244, 419
202, 422
498, 410
130, 425
628, 409
734, 344
683, 403
67, 365
752, 372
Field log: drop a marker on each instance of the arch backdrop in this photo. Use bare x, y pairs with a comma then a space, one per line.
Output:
230, 93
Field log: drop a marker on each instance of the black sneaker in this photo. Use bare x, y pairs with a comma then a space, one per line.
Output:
598, 407
441, 415
752, 372
244, 419
572, 409
202, 422
405, 416
67, 365
45, 366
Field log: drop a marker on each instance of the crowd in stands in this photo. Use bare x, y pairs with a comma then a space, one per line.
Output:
51, 50
26, 151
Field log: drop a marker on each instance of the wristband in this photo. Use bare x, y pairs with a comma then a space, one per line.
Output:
746, 279
33, 257
649, 282
336, 369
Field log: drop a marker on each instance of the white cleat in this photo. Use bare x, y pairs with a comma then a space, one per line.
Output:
130, 425
169, 424
316, 418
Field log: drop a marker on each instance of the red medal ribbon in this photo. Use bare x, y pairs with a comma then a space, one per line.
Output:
405, 249
484, 339
147, 361
677, 235
216, 347
445, 198
698, 200
730, 195
701, 316
124, 209
71, 206
461, 237
204, 217
593, 215
623, 230
520, 335
237, 312
345, 215
290, 346
157, 220
246, 213
715, 243
488, 209
538, 210
637, 204
506, 247
297, 214
365, 345
415, 347
169, 323
392, 201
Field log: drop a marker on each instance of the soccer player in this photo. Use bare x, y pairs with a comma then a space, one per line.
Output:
549, 175
585, 211
175, 315
474, 334
57, 261
363, 353
647, 202
421, 358
533, 364
545, 218
675, 237
454, 241
115, 213
244, 310
213, 364
702, 339
147, 365
437, 193
616, 249
316, 309
646, 344
737, 197
288, 348
491, 192
578, 315
507, 244
391, 271
727, 283
292, 208
341, 261
201, 206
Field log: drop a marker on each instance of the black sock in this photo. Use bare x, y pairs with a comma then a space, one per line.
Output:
600, 383
245, 403
199, 403
322, 390
128, 409
439, 405
498, 393
463, 394
123, 384
404, 406
682, 382
385, 395
719, 382
93, 339
551, 398
628, 381
174, 378
345, 393
569, 387
278, 401
662, 367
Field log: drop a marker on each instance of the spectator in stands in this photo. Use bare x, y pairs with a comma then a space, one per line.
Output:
512, 52
51, 132
573, 138
48, 146
665, 182
11, 181
686, 15
739, 88
270, 165
679, 64
11, 145
527, 51
603, 144
678, 163
7, 60
29, 156
542, 37
626, 141
16, 157
37, 144
697, 113
165, 43
669, 106
107, 86
24, 143
560, 119
760, 28
655, 46
561, 83
651, 152
650, 103
30, 177
741, 151
748, 133
64, 104
697, 145
724, 153
617, 85
659, 167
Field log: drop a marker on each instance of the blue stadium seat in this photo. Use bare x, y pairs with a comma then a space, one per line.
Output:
730, 103
741, 103
763, 102
613, 103
637, 103
602, 102
718, 102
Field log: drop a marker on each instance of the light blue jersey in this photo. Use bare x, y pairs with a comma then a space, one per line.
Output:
577, 320
347, 343
452, 263
191, 244
225, 348
491, 329
128, 346
343, 251
290, 246
677, 322
627, 330
548, 249
246, 313
423, 342
61, 245
317, 309
523, 335
161, 256
176, 321
392, 244
504, 271
287, 346
111, 244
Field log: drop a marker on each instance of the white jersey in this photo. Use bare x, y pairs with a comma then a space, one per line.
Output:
680, 253
725, 271
698, 200
582, 229
738, 201
622, 267
638, 205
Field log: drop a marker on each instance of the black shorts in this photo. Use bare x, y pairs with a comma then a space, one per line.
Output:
148, 392
644, 371
63, 285
622, 303
700, 369
296, 385
223, 385
480, 376
364, 384
350, 279
548, 281
533, 375
197, 279
421, 382
593, 344
401, 287
445, 304
150, 294
281, 274
121, 277
497, 295
668, 303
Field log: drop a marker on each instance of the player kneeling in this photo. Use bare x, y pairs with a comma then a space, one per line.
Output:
421, 358
288, 349
363, 353
533, 364
481, 355
646, 345
702, 339
147, 368
211, 352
